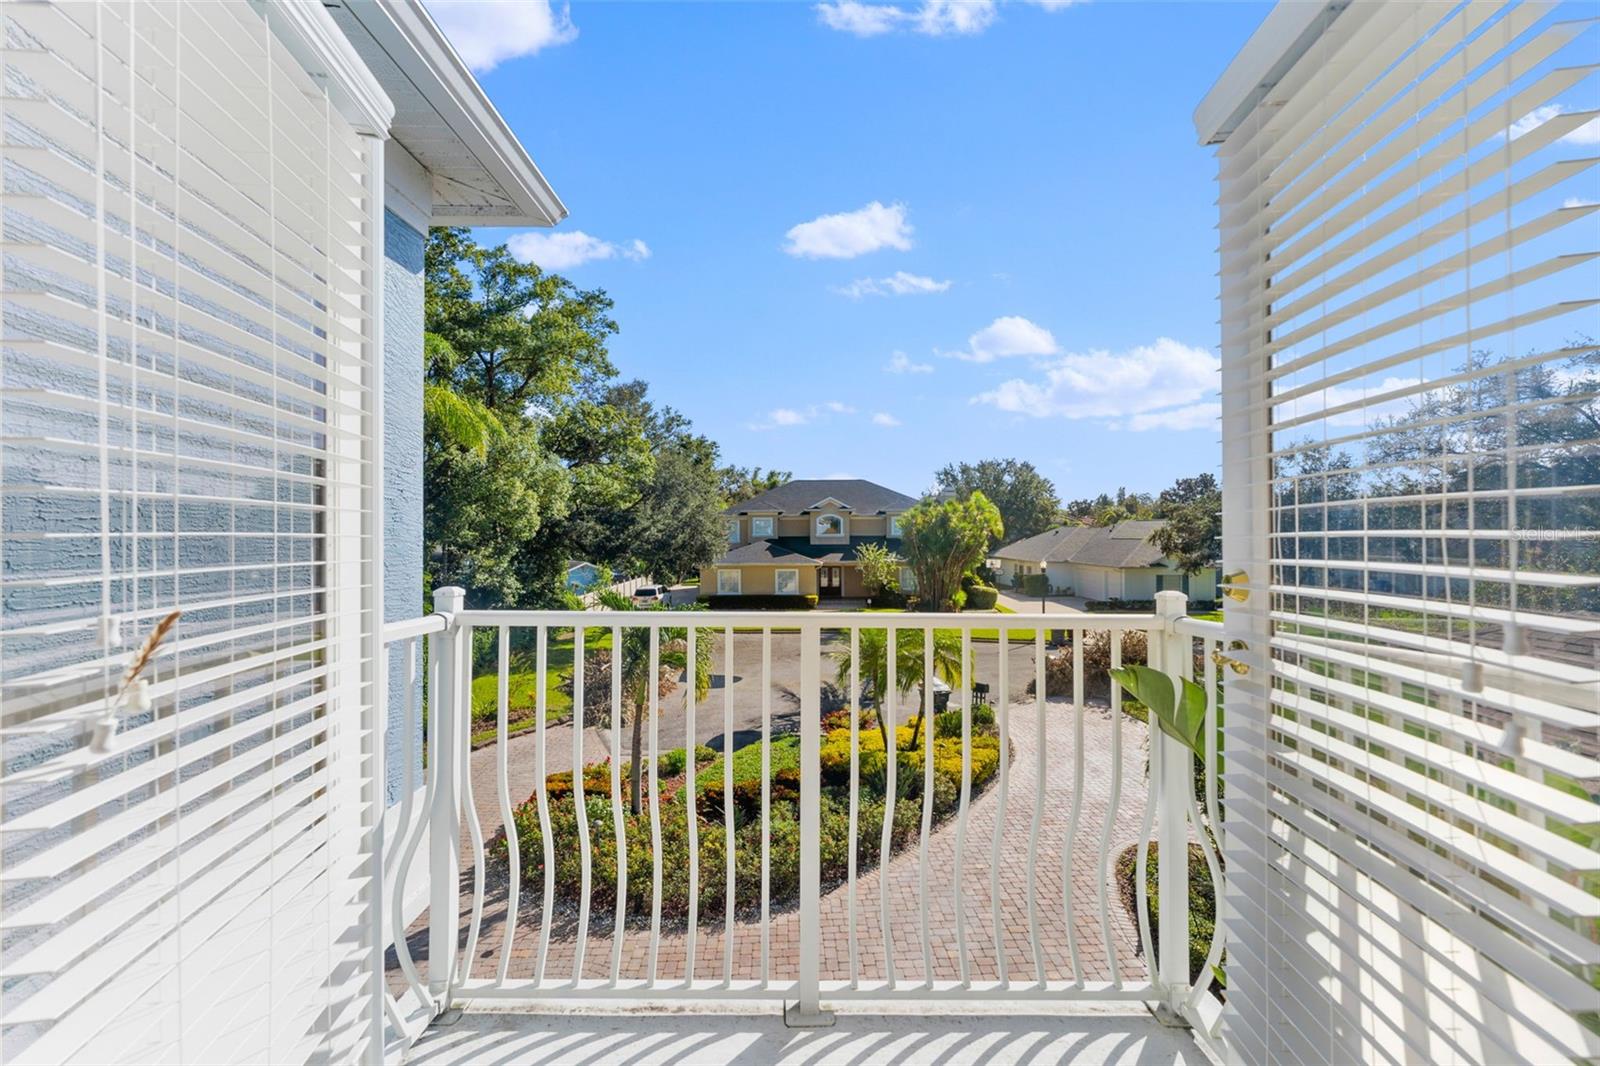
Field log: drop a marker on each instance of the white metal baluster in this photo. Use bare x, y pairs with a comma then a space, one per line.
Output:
891, 756
855, 793
766, 804
621, 922
727, 805
694, 826
578, 803
1039, 770
402, 947
1068, 860
927, 798
1142, 861
541, 671
444, 833
1202, 983
967, 678
1003, 723
469, 800
1113, 802
655, 803
514, 851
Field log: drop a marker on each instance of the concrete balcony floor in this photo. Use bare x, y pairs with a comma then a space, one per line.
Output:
989, 1032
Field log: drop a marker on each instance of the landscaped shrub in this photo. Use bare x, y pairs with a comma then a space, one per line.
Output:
760, 603
783, 814
671, 763
1202, 901
982, 598
1096, 664
1116, 606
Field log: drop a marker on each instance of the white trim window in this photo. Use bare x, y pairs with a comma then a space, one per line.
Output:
894, 525
760, 527
733, 531
729, 583
908, 580
786, 582
830, 525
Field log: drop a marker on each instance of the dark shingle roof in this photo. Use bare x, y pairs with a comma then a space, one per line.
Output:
1126, 544
798, 497
797, 551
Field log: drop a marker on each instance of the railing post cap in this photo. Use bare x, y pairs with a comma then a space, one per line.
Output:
1171, 604
450, 599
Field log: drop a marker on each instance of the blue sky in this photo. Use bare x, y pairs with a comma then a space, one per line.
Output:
1010, 197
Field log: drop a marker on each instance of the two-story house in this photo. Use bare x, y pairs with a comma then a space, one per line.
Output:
801, 539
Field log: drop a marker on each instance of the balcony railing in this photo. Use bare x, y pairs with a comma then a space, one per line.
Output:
783, 872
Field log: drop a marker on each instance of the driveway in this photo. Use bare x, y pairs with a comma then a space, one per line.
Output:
1052, 604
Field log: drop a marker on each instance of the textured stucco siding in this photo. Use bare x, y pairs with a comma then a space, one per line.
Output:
402, 466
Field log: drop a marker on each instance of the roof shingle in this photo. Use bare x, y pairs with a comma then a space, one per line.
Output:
1124, 545
799, 497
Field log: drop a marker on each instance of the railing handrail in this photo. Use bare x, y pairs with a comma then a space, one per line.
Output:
758, 620
414, 627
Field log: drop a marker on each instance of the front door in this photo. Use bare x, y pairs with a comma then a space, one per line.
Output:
830, 582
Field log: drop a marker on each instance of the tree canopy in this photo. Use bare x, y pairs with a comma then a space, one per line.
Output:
1024, 497
944, 539
535, 452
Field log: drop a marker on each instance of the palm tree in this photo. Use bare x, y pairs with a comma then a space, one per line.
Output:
907, 670
632, 658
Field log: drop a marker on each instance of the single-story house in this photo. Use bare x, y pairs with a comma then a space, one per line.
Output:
801, 539
1101, 563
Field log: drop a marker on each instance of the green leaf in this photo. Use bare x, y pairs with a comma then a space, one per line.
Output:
1181, 717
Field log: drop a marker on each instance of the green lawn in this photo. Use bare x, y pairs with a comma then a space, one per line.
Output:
747, 761
523, 686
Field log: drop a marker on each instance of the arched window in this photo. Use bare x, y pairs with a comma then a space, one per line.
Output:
830, 525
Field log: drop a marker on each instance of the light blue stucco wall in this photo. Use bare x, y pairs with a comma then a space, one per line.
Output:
402, 468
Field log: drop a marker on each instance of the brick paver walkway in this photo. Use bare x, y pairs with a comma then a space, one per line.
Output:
1089, 869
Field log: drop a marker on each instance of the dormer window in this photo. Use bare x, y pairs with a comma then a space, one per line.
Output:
830, 525
894, 526
760, 527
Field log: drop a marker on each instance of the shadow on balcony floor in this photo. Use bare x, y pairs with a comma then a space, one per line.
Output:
754, 1036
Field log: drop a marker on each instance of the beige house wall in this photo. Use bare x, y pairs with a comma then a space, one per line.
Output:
758, 579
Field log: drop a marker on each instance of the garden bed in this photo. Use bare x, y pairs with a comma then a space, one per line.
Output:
784, 827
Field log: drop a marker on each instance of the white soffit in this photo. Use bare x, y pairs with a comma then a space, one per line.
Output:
482, 175
1285, 35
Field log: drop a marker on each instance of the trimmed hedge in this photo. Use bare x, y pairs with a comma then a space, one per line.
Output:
761, 603
1116, 606
982, 598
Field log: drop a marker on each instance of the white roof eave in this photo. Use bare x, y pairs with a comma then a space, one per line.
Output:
408, 36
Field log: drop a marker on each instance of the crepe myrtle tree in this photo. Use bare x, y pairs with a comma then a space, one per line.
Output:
943, 540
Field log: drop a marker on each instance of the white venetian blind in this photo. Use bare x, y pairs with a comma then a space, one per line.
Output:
183, 389
1410, 282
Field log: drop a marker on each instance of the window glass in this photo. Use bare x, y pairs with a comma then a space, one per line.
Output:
829, 525
761, 527
727, 582
733, 531
787, 583
894, 527
908, 580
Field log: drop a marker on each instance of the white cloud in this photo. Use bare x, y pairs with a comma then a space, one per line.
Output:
486, 33
563, 251
933, 18
1314, 403
851, 233
784, 417
1152, 386
901, 363
1053, 5
1007, 336
863, 20
1195, 416
884, 418
899, 283
1588, 133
